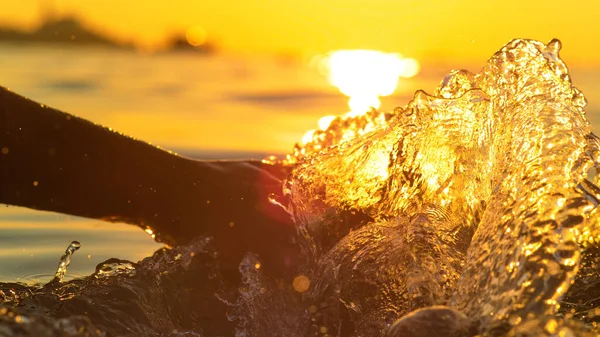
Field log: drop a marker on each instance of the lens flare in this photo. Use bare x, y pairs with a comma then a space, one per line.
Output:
196, 35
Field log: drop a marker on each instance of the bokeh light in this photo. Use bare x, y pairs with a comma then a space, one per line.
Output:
196, 35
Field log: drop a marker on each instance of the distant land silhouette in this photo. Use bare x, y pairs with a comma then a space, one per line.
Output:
179, 43
70, 31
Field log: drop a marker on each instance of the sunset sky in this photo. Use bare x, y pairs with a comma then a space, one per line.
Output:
440, 30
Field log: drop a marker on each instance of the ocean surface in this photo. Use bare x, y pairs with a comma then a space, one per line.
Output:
488, 188
202, 106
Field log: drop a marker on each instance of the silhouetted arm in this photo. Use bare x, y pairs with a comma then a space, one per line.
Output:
51, 160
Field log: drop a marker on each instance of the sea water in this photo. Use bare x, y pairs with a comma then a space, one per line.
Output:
201, 106
501, 228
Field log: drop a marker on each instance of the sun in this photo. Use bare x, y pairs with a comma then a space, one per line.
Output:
363, 76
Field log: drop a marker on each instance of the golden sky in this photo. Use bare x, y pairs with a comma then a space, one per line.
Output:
434, 29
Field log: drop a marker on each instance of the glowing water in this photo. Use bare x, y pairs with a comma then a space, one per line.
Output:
478, 202
502, 154
65, 261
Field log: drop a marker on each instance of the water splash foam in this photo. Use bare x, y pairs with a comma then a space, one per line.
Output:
501, 154
65, 261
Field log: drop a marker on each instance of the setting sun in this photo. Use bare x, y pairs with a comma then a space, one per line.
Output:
364, 76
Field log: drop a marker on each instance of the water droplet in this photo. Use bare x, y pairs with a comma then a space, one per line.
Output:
301, 283
65, 261
554, 45
514, 319
115, 267
551, 326
150, 232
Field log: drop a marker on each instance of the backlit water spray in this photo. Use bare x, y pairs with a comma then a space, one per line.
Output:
65, 261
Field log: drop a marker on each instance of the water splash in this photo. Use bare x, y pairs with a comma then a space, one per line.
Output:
472, 210
115, 267
65, 261
475, 192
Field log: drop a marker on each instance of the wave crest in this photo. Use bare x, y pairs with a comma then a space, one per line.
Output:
502, 153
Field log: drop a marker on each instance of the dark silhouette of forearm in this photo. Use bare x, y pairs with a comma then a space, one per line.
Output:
54, 161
